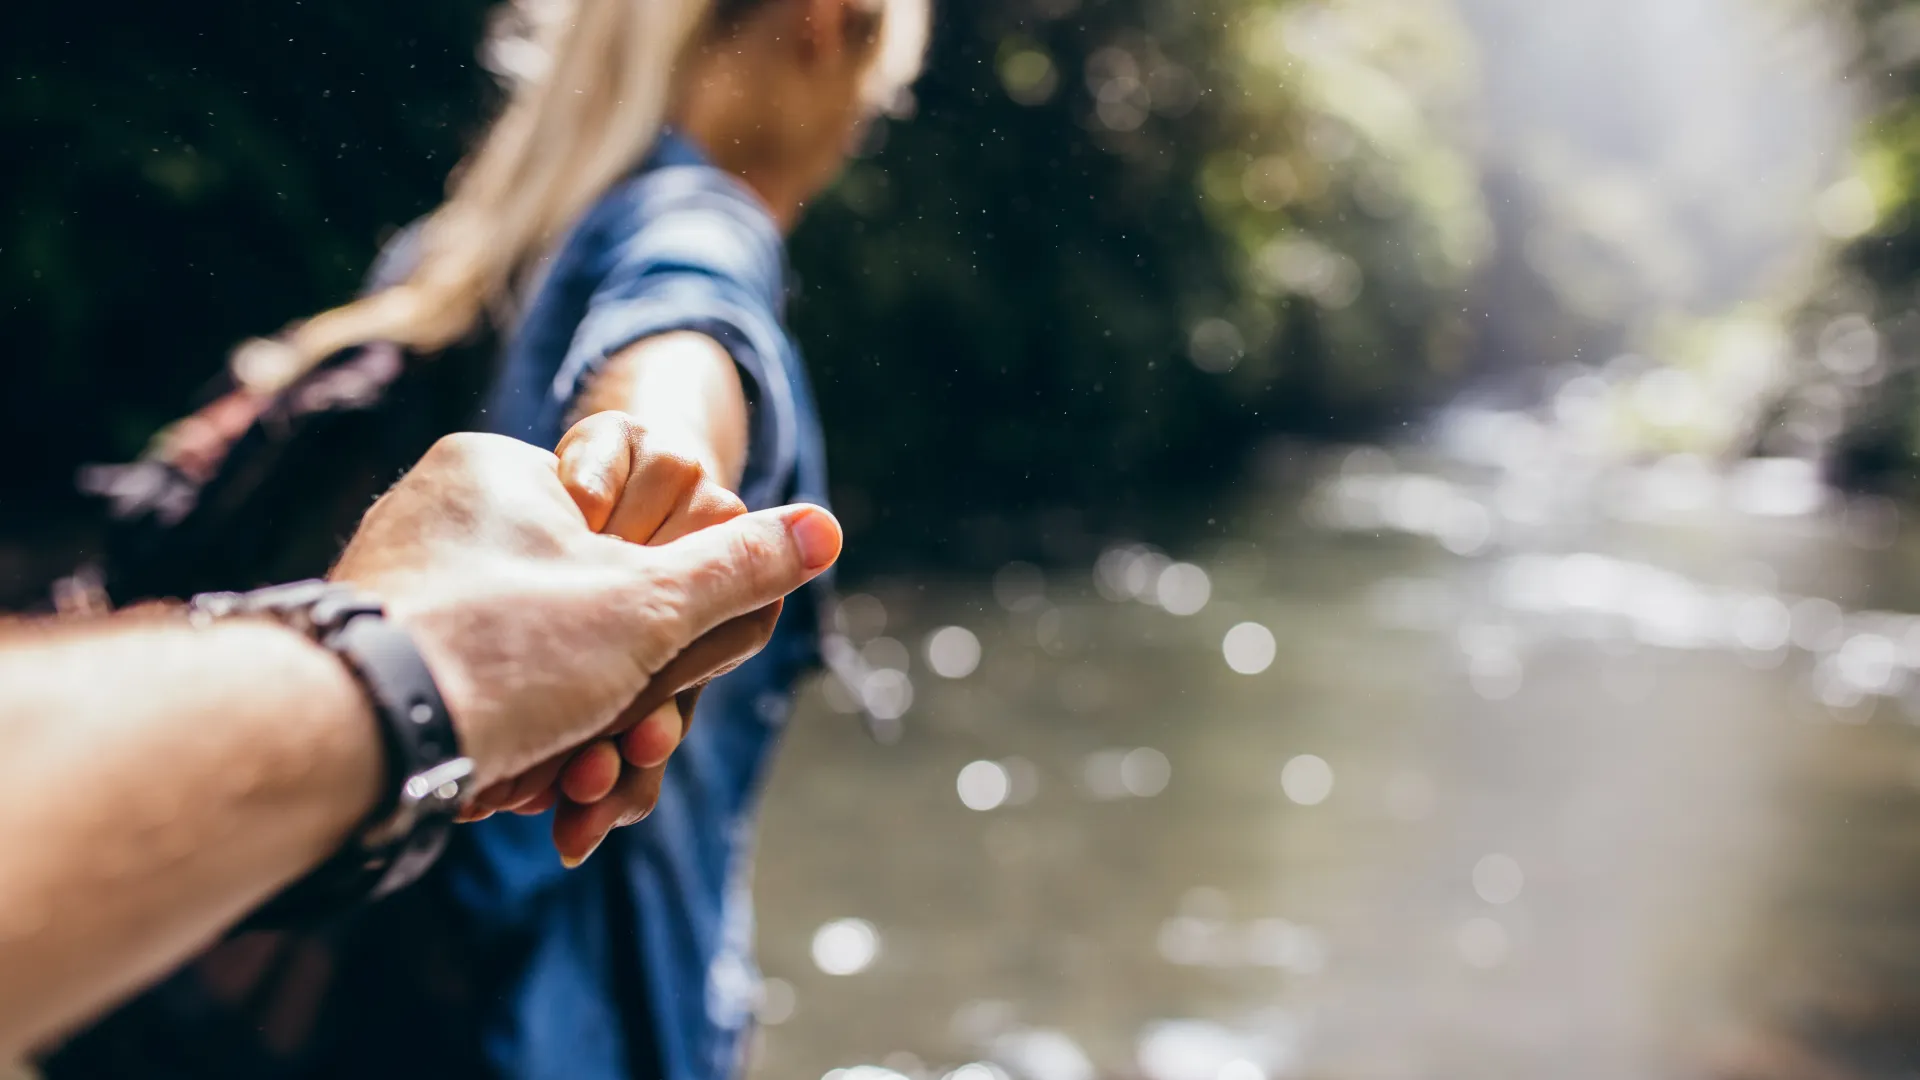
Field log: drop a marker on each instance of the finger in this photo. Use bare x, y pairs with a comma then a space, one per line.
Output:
629, 483
660, 484
497, 796
704, 505
492, 798
635, 748
578, 830
689, 701
592, 772
745, 564
652, 741
664, 709
534, 782
513, 792
539, 804
717, 652
596, 458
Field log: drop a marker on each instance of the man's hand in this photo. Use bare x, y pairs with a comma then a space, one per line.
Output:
544, 634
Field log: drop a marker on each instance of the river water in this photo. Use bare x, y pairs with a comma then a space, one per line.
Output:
1553, 773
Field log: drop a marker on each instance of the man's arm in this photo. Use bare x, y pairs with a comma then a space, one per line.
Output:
112, 867
157, 781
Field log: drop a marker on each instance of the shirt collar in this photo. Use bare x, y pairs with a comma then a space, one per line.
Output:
673, 148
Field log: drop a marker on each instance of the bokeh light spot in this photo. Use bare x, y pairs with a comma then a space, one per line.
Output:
977, 1070
1215, 346
887, 693
983, 785
777, 1002
1307, 780
1482, 943
953, 652
1498, 879
1183, 589
1028, 75
1144, 772
885, 652
845, 946
1249, 648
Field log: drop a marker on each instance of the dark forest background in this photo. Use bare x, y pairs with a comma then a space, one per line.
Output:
1038, 311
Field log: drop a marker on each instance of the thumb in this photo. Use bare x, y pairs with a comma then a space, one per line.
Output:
740, 566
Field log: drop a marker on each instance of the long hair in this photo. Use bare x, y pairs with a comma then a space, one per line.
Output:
591, 83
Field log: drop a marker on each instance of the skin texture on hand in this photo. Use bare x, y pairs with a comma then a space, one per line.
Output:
540, 631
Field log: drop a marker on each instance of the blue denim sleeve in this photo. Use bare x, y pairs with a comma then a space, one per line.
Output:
686, 251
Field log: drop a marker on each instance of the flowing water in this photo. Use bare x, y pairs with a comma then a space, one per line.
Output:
1609, 778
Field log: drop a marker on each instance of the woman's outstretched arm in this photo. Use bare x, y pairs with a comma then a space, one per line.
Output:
685, 390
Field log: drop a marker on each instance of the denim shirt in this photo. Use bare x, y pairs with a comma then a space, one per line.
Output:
641, 958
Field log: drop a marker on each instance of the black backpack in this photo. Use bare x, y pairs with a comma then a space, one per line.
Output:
253, 489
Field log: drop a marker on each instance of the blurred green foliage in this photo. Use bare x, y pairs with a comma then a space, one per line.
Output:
1120, 243
1856, 396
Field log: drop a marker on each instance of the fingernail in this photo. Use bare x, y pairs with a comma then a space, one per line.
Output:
574, 864
817, 535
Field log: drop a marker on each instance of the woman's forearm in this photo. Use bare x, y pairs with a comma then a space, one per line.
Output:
194, 771
683, 388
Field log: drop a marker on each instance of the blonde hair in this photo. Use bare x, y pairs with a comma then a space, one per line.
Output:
591, 83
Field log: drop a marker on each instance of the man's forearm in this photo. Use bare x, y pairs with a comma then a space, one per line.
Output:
129, 846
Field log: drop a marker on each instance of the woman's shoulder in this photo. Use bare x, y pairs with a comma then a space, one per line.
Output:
690, 218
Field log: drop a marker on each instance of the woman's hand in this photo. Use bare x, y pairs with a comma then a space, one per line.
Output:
646, 487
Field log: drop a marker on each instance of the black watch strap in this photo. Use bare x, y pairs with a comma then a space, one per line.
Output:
427, 776
426, 773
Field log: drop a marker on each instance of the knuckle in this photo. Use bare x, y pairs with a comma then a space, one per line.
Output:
612, 420
467, 449
751, 556
715, 503
680, 470
625, 428
459, 446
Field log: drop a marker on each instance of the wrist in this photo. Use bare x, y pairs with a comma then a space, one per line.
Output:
453, 674
422, 776
341, 753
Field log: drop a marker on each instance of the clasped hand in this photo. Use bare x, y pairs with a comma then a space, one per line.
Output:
640, 572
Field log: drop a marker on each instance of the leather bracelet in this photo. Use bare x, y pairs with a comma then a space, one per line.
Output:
427, 776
